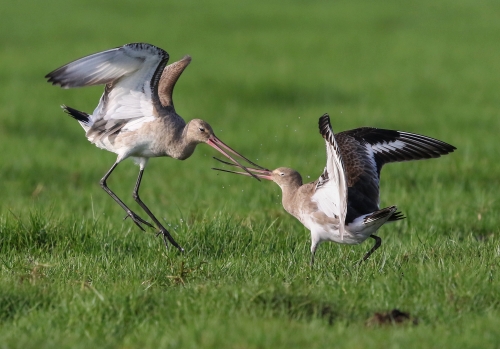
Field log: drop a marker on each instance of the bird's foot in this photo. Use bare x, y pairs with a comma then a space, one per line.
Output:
138, 220
168, 238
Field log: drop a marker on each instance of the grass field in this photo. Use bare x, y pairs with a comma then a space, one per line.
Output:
75, 275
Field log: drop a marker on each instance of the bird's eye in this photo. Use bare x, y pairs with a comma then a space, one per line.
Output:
201, 129
282, 174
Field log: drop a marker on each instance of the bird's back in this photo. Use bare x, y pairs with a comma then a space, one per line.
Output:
362, 177
366, 150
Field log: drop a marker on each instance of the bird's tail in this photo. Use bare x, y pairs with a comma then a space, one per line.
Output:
366, 225
82, 117
396, 216
385, 214
369, 223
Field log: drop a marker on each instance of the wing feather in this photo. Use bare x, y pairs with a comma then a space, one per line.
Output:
107, 66
331, 188
365, 150
394, 146
131, 74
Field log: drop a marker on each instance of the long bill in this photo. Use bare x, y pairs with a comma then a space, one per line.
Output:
264, 174
218, 145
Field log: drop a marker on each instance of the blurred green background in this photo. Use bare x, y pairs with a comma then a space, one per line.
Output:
262, 74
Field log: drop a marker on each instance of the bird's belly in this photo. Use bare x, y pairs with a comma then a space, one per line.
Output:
328, 230
128, 144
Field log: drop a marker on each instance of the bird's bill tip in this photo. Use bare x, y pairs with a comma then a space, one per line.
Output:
258, 175
213, 140
254, 172
225, 150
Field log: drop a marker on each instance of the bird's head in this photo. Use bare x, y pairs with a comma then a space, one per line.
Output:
284, 177
199, 131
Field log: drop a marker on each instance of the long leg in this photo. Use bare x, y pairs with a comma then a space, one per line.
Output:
137, 220
378, 242
314, 246
166, 234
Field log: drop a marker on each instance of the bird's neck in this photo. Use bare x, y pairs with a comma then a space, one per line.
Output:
183, 147
176, 145
289, 193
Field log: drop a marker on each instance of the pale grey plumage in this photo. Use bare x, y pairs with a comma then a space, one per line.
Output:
135, 116
347, 193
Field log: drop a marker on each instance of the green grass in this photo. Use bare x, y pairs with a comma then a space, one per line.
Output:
73, 274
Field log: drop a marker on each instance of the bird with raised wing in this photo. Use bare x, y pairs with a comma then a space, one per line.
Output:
343, 204
135, 117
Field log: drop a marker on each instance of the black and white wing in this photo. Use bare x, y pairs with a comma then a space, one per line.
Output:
394, 146
331, 189
131, 74
365, 150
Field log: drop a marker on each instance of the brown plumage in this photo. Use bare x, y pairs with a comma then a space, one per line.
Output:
136, 117
342, 205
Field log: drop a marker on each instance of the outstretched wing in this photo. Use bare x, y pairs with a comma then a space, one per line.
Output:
131, 74
107, 66
365, 150
394, 146
331, 188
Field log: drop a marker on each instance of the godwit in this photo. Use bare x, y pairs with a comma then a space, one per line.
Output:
135, 116
343, 204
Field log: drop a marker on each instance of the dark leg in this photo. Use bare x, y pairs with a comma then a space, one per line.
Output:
378, 242
137, 220
163, 231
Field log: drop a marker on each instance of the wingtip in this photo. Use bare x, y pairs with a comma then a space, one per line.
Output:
324, 124
51, 79
325, 118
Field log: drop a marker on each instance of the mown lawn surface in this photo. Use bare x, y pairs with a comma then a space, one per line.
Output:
73, 274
